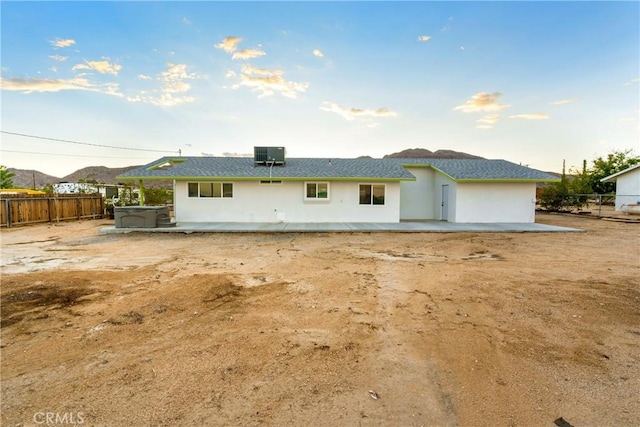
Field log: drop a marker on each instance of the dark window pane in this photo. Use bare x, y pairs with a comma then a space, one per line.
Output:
227, 189
365, 194
311, 190
378, 194
193, 189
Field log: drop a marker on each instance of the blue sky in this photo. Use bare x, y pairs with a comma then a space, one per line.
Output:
529, 82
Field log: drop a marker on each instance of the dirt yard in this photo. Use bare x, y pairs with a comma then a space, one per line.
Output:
469, 329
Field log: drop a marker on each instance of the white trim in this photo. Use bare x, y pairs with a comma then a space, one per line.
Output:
372, 184
222, 196
617, 174
317, 199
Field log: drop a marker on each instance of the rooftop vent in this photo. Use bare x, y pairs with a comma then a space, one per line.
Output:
269, 155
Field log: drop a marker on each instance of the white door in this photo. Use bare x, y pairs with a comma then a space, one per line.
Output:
444, 216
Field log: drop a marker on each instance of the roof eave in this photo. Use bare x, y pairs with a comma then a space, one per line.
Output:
508, 180
262, 178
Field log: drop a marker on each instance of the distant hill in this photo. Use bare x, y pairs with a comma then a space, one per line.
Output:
423, 153
26, 178
101, 174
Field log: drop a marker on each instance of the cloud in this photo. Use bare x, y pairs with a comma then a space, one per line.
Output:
144, 77
30, 85
563, 102
632, 82
103, 67
482, 102
424, 38
59, 58
62, 42
248, 54
229, 44
351, 113
173, 78
269, 82
533, 116
173, 87
317, 53
487, 122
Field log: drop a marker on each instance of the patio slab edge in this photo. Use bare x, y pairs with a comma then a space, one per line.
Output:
402, 227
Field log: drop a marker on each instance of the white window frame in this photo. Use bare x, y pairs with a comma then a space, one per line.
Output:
316, 198
371, 203
212, 183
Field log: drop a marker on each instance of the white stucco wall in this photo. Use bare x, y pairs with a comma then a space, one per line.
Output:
422, 199
417, 197
628, 189
255, 202
495, 202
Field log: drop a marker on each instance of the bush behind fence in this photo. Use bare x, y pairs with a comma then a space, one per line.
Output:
597, 204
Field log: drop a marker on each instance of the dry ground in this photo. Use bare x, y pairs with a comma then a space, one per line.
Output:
470, 329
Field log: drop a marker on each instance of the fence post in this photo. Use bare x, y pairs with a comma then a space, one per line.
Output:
599, 205
8, 207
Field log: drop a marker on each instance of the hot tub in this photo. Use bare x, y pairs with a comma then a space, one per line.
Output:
139, 216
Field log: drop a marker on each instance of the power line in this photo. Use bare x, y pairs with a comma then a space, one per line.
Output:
73, 155
86, 143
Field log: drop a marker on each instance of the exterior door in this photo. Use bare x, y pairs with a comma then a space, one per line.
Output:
444, 216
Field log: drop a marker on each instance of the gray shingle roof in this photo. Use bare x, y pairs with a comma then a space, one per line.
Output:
390, 169
482, 169
295, 168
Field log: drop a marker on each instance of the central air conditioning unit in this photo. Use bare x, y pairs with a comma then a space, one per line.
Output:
269, 156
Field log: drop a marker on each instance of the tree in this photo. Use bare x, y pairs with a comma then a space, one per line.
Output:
6, 177
614, 162
554, 197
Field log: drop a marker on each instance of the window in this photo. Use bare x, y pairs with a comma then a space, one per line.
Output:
210, 189
371, 194
316, 190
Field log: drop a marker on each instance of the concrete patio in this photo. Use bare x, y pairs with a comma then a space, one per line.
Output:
351, 227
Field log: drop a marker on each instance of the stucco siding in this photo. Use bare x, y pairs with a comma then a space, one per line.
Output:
495, 202
256, 202
628, 189
417, 197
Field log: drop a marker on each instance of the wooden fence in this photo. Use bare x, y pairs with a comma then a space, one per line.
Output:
20, 210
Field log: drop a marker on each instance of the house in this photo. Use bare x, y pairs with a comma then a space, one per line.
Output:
108, 191
272, 188
627, 186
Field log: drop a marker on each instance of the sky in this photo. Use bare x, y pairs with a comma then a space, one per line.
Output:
124, 83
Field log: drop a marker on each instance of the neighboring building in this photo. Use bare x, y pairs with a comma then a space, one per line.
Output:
270, 188
627, 186
74, 188
108, 191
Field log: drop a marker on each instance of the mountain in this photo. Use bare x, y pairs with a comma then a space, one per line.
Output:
31, 178
25, 178
101, 174
422, 153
